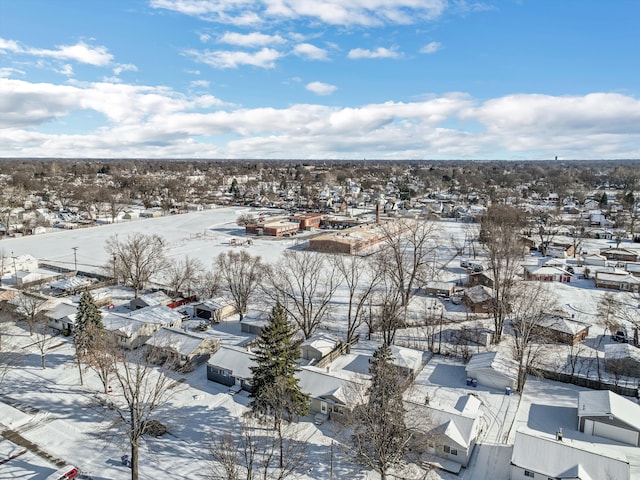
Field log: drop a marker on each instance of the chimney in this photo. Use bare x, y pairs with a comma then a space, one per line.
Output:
559, 435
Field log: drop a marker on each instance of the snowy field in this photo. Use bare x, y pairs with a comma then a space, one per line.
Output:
51, 410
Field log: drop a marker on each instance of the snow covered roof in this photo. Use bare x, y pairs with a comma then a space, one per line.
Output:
620, 351
605, 403
318, 384
461, 428
121, 323
235, 359
324, 344
407, 358
70, 283
63, 310
478, 294
561, 323
494, 361
154, 298
157, 314
179, 341
566, 458
213, 304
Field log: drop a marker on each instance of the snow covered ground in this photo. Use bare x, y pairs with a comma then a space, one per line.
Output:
67, 421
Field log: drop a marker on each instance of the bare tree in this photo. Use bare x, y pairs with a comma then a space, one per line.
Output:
532, 305
304, 284
182, 275
360, 276
245, 219
207, 284
29, 307
408, 249
240, 273
43, 337
251, 452
500, 237
8, 355
544, 225
144, 391
137, 259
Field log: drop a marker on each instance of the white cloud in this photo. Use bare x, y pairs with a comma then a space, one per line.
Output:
379, 52
204, 37
145, 121
124, 67
10, 71
431, 47
332, 12
264, 58
80, 52
310, 51
200, 83
320, 88
254, 39
66, 70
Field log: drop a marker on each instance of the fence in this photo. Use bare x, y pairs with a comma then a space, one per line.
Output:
589, 383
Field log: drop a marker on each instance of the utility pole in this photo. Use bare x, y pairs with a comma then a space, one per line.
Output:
15, 270
75, 258
331, 463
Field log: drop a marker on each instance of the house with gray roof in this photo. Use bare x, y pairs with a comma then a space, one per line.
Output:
540, 455
180, 349
493, 369
603, 413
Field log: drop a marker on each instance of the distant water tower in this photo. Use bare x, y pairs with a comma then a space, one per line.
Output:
556, 157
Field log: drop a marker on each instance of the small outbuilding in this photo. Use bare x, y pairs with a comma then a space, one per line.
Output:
440, 288
605, 414
215, 309
493, 370
622, 359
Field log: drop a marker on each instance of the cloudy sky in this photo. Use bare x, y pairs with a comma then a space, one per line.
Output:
320, 79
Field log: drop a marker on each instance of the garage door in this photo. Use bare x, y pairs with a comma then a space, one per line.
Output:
614, 433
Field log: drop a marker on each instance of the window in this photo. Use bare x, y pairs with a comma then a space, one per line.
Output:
529, 474
451, 451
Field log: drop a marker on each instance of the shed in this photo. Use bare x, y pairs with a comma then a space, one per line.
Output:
563, 329
150, 299
492, 369
214, 309
254, 322
318, 347
540, 455
605, 414
479, 299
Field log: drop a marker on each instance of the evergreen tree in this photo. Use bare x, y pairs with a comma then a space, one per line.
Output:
380, 435
87, 328
275, 388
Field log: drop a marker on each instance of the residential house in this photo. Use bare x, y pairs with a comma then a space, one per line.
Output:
62, 317
214, 309
619, 254
137, 327
231, 366
622, 359
181, 349
633, 268
445, 434
595, 260
493, 370
479, 299
439, 288
559, 250
331, 396
546, 273
617, 281
540, 455
605, 414
561, 328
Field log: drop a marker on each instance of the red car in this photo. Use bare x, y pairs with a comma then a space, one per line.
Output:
66, 473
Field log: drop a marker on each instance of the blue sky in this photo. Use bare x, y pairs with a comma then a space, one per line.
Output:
320, 79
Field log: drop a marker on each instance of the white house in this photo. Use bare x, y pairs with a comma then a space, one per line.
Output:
446, 434
544, 456
605, 414
492, 369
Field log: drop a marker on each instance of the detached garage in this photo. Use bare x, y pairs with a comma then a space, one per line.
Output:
605, 414
493, 370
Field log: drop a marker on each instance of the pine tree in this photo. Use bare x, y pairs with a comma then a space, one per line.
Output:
275, 388
87, 328
380, 435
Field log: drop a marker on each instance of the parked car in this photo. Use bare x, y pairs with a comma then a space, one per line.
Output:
66, 473
619, 336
